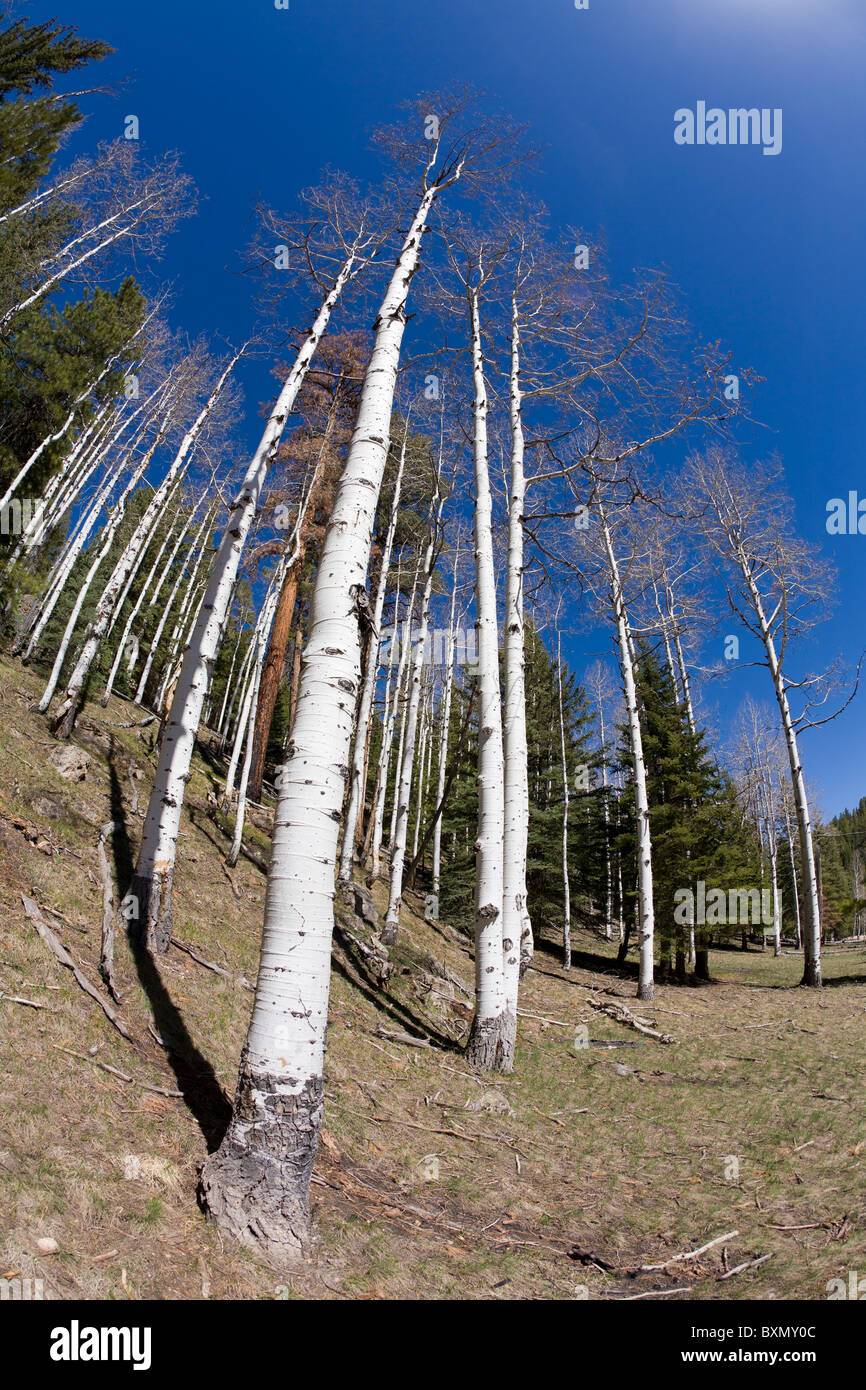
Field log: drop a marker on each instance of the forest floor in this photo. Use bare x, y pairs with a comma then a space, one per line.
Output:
559, 1181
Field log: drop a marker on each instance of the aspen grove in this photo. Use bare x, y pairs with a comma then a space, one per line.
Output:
362, 606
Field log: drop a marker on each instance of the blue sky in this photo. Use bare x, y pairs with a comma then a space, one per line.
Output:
768, 251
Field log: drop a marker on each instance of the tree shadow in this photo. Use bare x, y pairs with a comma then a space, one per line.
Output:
196, 1080
586, 960
398, 1012
202, 824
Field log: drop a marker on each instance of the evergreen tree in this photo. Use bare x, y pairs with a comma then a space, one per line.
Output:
696, 825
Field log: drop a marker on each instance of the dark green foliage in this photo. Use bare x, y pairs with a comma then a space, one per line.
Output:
697, 828
31, 55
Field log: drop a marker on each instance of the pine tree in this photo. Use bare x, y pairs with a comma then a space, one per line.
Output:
695, 820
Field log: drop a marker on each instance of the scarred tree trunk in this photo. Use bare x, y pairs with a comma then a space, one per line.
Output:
257, 1184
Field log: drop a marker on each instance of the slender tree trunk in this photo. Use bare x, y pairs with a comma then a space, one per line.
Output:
160, 627
517, 939
389, 715
403, 781
645, 910
426, 743
490, 1026
271, 675
240, 811
136, 608
443, 739
154, 872
794, 889
566, 889
365, 704
131, 552
227, 691
812, 925
107, 540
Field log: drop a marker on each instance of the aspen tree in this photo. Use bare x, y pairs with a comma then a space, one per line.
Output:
778, 586
365, 703
151, 889
133, 549
257, 1184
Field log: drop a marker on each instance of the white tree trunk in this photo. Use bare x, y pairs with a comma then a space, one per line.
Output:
794, 890
155, 868
403, 783
812, 924
389, 721
356, 795
166, 612
107, 540
135, 547
62, 568
517, 941
566, 889
426, 745
227, 691
257, 1184
645, 910
443, 737
240, 812
51, 281
136, 609
488, 1044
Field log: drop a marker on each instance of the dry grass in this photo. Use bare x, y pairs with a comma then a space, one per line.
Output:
430, 1182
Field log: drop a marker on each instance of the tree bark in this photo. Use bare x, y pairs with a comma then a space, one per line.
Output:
488, 1044
257, 1184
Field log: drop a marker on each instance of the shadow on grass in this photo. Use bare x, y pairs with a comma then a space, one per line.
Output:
196, 1079
397, 1011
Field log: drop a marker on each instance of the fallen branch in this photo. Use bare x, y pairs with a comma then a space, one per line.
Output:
747, 1264
809, 1226
390, 1036
654, 1293
211, 965
132, 723
379, 962
65, 958
688, 1254
16, 999
235, 889
621, 1014
539, 1018
134, 785
122, 1075
106, 953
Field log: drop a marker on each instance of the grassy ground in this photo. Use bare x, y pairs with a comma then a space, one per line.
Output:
556, 1182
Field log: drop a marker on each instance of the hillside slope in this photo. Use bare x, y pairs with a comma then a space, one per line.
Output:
556, 1182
